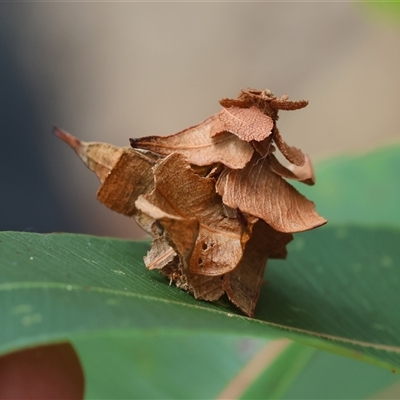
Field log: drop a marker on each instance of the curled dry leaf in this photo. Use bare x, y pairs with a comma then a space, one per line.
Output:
213, 197
243, 284
292, 154
259, 191
303, 174
247, 123
199, 147
181, 195
283, 104
124, 173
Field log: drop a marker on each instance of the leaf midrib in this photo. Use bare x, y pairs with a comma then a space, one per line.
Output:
314, 334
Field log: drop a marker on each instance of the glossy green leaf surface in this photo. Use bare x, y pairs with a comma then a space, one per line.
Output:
358, 188
320, 295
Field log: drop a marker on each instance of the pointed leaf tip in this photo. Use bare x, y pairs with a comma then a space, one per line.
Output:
66, 137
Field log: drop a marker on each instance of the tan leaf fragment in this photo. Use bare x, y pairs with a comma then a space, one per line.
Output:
98, 157
258, 191
282, 103
264, 147
124, 173
303, 174
199, 147
292, 154
247, 123
180, 232
162, 256
204, 287
183, 195
243, 284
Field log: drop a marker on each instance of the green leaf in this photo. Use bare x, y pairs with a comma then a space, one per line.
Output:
158, 365
301, 372
358, 188
385, 10
59, 285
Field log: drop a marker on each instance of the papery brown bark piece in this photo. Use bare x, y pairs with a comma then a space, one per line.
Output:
243, 284
124, 173
292, 154
182, 194
258, 191
303, 174
247, 123
199, 147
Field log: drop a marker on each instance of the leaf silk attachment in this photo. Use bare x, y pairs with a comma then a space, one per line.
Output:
214, 197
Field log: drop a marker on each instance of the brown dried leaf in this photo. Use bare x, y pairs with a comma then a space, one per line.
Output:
203, 287
247, 123
282, 103
199, 147
241, 103
160, 254
292, 154
124, 173
303, 174
98, 157
264, 147
243, 284
206, 244
258, 191
180, 232
183, 195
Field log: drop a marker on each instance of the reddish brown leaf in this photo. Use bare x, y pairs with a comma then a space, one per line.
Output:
226, 103
292, 154
264, 147
181, 231
203, 287
181, 195
303, 174
247, 123
243, 284
123, 172
199, 147
258, 191
283, 103
160, 254
98, 157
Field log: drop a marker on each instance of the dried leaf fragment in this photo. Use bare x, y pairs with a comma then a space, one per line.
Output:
304, 174
199, 147
292, 154
98, 157
123, 172
181, 195
214, 197
247, 123
243, 284
259, 191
